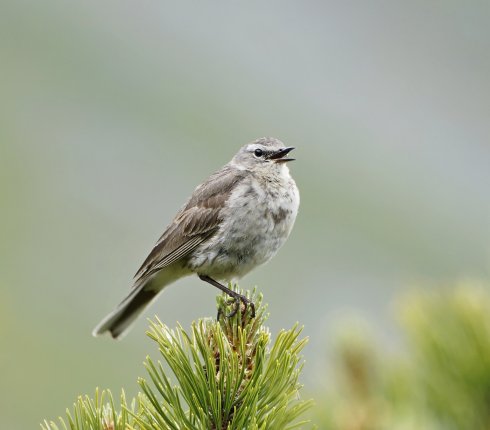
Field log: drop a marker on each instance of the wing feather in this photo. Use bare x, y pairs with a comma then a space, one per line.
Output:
198, 220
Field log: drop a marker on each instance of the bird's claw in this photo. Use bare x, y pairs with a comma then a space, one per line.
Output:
237, 299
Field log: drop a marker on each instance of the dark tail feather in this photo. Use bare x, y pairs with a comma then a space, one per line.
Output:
119, 320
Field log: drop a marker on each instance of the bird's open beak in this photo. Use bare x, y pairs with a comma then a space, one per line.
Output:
279, 156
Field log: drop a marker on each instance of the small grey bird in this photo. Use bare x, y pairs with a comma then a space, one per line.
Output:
235, 220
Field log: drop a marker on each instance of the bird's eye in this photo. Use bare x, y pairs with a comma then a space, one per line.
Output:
258, 152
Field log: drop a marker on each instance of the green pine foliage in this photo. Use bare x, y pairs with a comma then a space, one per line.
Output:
97, 413
220, 375
441, 380
449, 333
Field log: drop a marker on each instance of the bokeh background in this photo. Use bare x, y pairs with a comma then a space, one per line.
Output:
112, 111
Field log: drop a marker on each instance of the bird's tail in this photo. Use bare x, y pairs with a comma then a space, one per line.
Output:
119, 320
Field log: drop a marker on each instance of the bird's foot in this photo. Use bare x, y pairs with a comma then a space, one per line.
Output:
236, 297
237, 300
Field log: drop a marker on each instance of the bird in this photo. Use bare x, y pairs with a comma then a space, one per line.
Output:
235, 220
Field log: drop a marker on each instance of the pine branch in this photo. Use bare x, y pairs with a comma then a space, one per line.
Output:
220, 375
98, 413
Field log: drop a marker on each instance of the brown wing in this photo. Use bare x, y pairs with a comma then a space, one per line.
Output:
194, 223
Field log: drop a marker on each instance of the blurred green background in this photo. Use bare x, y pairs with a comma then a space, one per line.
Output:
112, 111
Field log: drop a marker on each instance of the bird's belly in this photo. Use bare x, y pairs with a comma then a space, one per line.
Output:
247, 244
251, 233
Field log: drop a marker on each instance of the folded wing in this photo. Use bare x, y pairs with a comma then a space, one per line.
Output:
198, 220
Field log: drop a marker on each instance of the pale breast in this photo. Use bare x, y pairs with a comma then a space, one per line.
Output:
257, 220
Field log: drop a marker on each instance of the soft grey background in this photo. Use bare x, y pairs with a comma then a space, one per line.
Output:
112, 111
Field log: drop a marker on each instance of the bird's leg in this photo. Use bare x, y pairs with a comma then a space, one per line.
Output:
238, 297
235, 297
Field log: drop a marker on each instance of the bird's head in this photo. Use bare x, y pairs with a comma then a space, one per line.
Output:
266, 153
